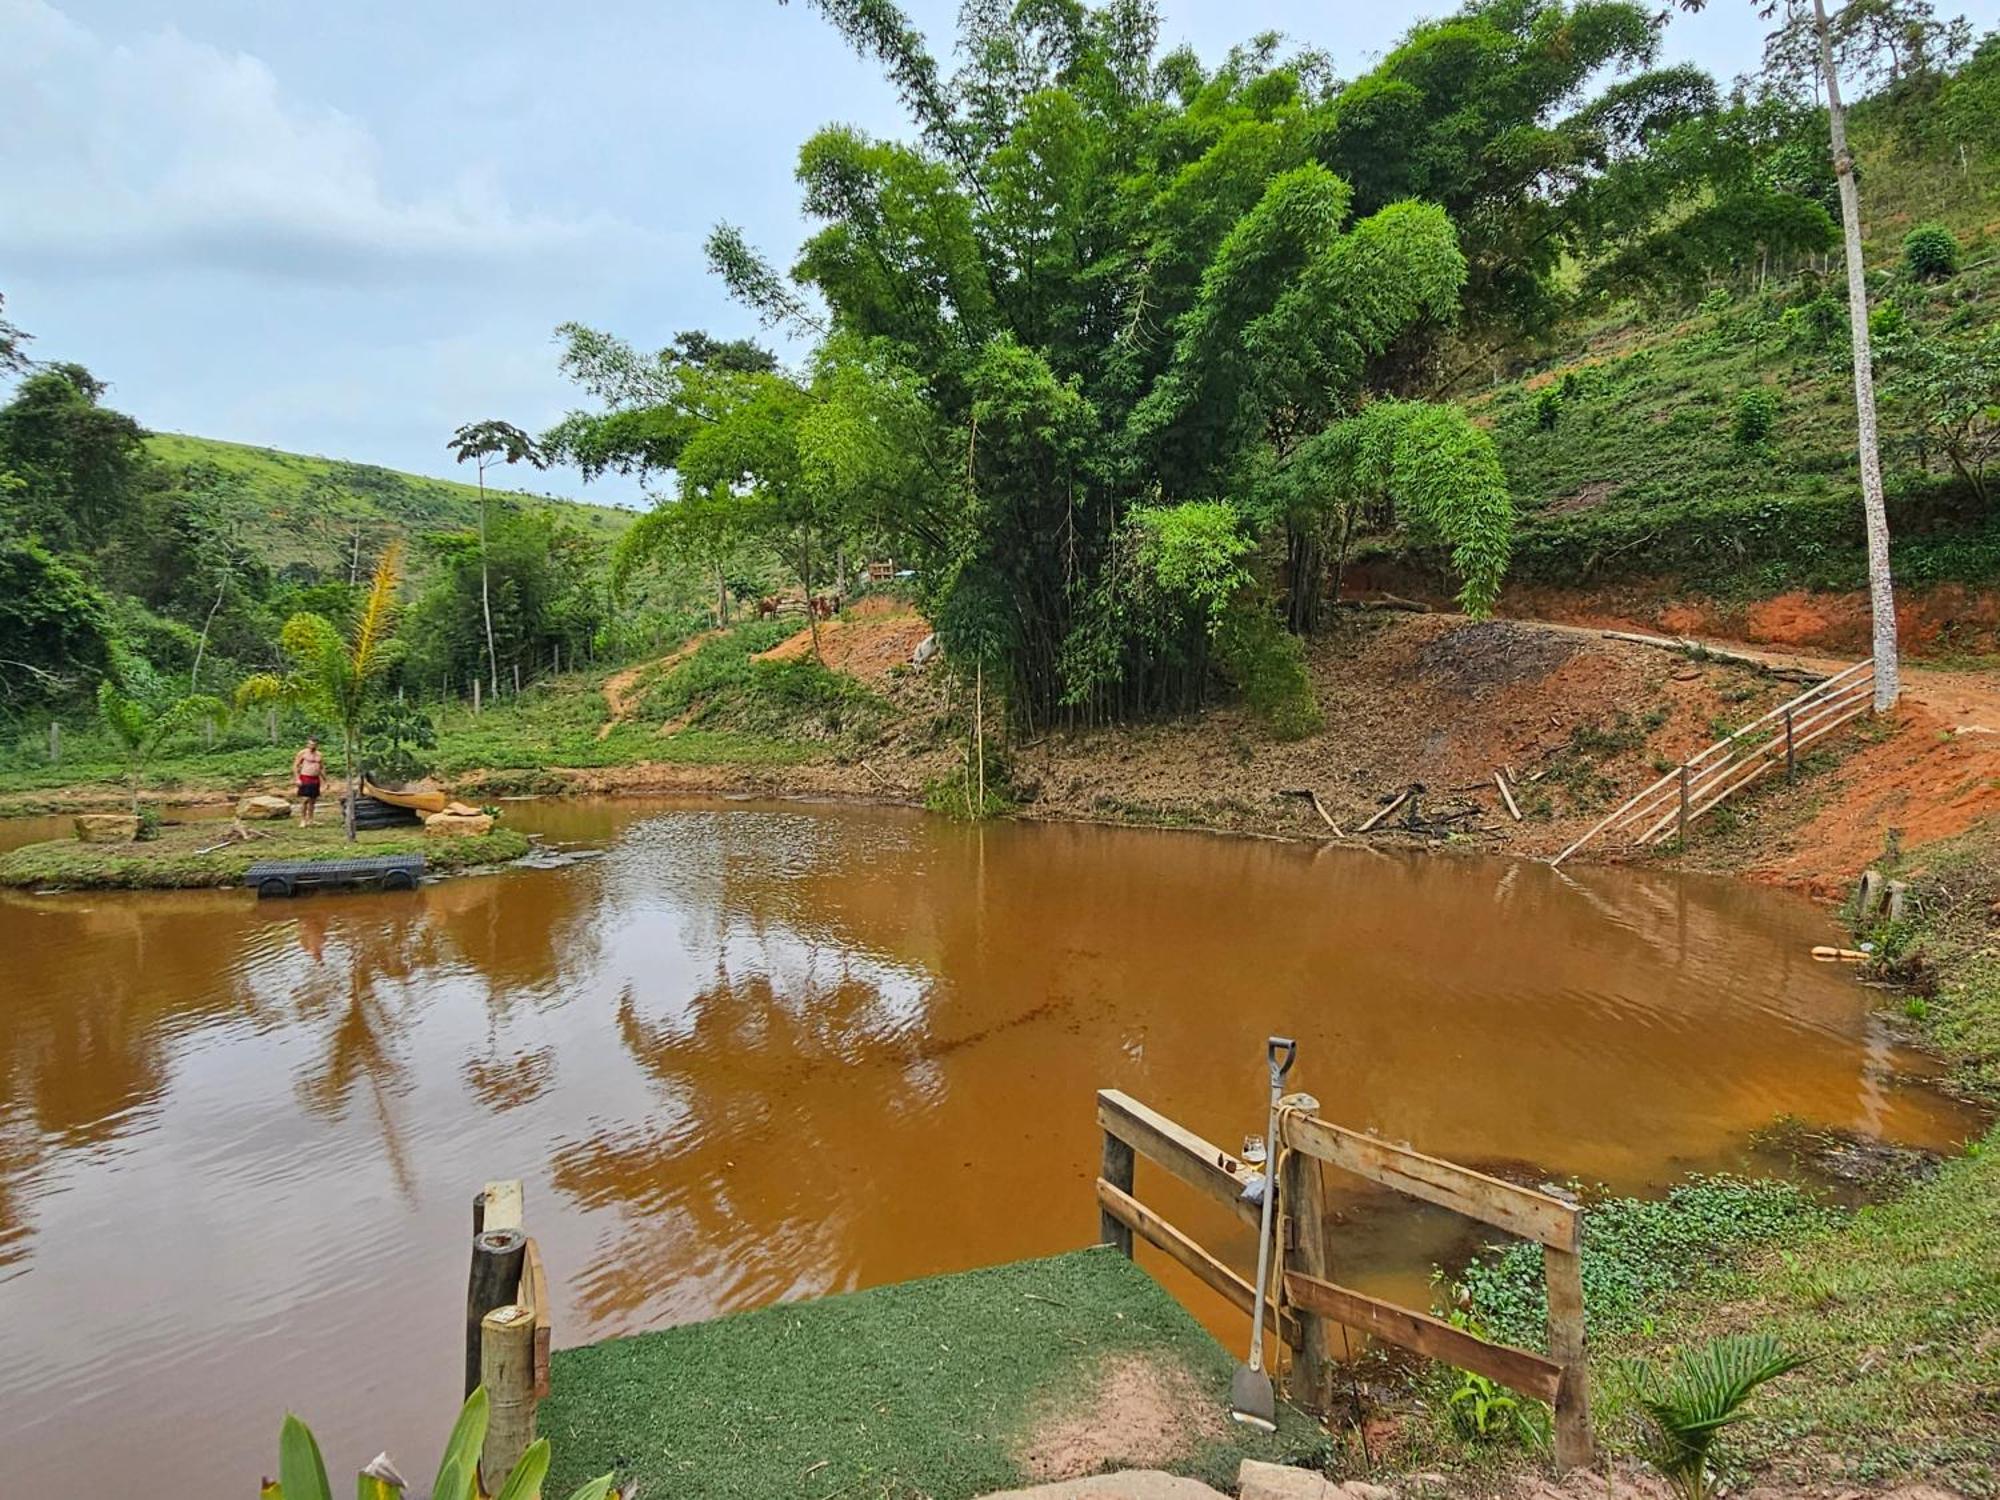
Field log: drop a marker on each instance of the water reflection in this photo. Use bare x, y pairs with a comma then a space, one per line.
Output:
764, 1052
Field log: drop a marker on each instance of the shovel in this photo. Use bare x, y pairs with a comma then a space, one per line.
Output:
1251, 1399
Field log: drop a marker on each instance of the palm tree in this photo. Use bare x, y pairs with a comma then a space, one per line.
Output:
332, 677
142, 725
1704, 1392
485, 442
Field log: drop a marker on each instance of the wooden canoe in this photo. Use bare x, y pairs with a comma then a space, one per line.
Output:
418, 796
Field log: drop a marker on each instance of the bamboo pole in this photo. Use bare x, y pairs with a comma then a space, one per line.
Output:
507, 1370
497, 1255
1507, 796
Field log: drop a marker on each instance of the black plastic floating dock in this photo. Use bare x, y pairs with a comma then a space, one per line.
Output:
287, 877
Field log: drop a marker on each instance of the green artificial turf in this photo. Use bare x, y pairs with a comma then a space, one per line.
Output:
924, 1388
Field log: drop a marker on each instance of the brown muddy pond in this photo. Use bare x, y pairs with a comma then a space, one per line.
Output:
761, 1052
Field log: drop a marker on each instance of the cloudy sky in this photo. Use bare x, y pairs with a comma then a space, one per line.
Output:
344, 229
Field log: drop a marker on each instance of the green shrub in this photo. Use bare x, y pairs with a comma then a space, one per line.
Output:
1548, 408
1930, 252
1756, 415
1635, 1250
1268, 666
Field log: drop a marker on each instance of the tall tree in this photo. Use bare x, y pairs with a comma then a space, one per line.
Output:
79, 461
486, 443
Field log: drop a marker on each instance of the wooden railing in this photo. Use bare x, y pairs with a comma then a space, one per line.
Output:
1705, 781
1312, 1304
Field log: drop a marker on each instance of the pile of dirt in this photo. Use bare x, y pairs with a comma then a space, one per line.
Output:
1141, 1413
868, 644
1476, 658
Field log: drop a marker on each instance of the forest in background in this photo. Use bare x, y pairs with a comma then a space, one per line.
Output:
1126, 356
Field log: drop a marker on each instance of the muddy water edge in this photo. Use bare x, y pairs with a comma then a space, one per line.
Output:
757, 1052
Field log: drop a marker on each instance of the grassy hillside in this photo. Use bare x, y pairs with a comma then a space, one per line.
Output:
298, 509
1623, 447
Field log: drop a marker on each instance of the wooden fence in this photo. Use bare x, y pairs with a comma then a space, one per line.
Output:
507, 1327
1705, 781
1312, 1304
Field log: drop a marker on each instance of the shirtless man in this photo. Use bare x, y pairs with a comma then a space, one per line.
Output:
309, 766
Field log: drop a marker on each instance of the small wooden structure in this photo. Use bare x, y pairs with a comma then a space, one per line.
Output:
287, 877
507, 1327
1312, 1304
1705, 781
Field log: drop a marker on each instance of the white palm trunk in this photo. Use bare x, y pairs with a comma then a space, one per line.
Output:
1881, 588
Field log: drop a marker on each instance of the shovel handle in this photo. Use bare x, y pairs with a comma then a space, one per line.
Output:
1282, 1052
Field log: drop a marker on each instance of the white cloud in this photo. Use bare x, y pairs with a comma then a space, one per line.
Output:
166, 150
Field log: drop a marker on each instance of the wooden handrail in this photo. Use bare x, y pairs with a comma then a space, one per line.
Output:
1211, 1272
1520, 1369
1202, 1165
1518, 1210
1661, 804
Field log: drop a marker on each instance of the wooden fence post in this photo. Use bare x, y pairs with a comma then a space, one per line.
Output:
1302, 1197
1115, 1168
507, 1370
1684, 807
1791, 751
1567, 1346
55, 742
497, 1255
517, 679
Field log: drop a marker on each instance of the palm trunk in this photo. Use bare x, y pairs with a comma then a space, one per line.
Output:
485, 592
1881, 587
353, 786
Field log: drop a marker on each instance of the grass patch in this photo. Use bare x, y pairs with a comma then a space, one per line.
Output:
923, 1388
175, 859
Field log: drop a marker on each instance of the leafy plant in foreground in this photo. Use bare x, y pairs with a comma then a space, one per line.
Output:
1703, 1392
302, 1472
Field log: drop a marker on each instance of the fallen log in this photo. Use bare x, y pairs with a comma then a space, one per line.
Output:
1382, 812
1500, 780
1702, 651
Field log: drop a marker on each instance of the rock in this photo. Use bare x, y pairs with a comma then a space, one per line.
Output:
263, 809
107, 828
1133, 1484
450, 825
1261, 1481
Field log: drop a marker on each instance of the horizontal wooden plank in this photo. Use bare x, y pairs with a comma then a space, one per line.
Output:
1201, 1164
1157, 1232
1518, 1210
1518, 1369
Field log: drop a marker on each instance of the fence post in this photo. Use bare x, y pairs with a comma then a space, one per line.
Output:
55, 742
1567, 1347
1684, 807
497, 1255
475, 695
1302, 1197
517, 679
1115, 1168
1791, 751
507, 1370
271, 723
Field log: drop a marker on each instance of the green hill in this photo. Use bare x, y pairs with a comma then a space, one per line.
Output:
295, 509
1626, 442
